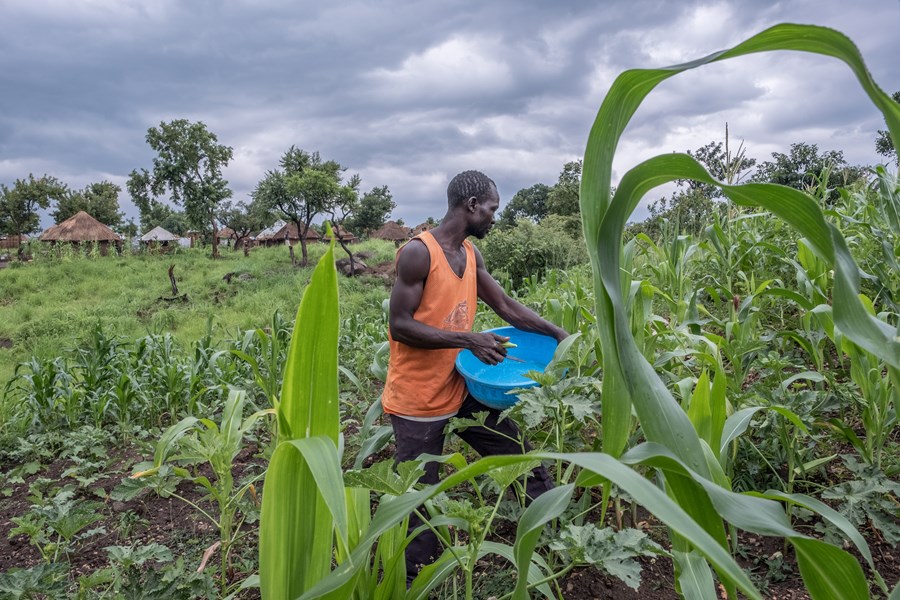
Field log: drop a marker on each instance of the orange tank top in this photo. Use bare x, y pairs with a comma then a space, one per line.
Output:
424, 382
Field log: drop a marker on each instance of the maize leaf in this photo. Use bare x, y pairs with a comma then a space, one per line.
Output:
299, 503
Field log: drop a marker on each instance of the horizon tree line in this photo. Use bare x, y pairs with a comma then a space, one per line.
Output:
187, 173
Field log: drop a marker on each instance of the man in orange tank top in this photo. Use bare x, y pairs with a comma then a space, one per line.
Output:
440, 277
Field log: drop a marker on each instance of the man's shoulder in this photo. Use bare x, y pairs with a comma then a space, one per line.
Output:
414, 248
414, 259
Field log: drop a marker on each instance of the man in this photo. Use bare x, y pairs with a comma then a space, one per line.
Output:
440, 276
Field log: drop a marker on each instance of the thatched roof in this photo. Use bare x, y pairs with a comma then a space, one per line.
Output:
158, 234
226, 233
392, 231
342, 234
421, 227
280, 229
80, 228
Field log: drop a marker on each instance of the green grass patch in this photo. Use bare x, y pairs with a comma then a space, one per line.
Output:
47, 305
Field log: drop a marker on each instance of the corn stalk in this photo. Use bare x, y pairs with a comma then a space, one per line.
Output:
628, 377
302, 500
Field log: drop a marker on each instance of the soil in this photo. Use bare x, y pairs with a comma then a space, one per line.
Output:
173, 523
6, 343
165, 521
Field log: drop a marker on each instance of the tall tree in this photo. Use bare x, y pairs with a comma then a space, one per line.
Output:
528, 203
564, 196
189, 169
883, 143
100, 200
372, 210
305, 186
19, 205
803, 167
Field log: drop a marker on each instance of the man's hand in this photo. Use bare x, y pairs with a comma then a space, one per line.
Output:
486, 347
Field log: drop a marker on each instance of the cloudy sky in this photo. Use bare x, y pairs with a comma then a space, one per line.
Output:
408, 93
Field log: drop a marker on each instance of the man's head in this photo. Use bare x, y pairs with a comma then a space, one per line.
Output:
474, 194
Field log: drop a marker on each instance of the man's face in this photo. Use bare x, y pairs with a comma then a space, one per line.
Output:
484, 214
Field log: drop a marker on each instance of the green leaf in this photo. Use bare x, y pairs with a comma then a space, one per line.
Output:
836, 518
292, 553
746, 512
828, 572
694, 577
699, 411
381, 477
301, 502
392, 510
545, 507
737, 424
309, 393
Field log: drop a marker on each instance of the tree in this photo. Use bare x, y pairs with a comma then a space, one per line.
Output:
19, 205
100, 200
304, 187
804, 166
243, 219
342, 209
563, 198
883, 143
528, 203
372, 210
188, 169
153, 212
721, 164
129, 229
689, 211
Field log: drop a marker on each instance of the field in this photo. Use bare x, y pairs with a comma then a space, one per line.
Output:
722, 421
55, 301
110, 394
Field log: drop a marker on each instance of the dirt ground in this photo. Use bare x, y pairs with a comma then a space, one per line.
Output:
175, 524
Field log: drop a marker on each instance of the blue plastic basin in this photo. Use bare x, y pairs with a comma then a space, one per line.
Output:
491, 385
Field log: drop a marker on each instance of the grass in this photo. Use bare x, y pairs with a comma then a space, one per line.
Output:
48, 304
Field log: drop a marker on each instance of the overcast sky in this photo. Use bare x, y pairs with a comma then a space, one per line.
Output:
407, 94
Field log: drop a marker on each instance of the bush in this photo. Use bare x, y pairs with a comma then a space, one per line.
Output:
529, 249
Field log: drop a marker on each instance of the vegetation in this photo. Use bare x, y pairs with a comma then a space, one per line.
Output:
188, 170
305, 187
100, 200
732, 372
19, 205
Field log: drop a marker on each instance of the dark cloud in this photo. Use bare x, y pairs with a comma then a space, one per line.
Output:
408, 93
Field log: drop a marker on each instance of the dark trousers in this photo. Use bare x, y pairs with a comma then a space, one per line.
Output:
413, 438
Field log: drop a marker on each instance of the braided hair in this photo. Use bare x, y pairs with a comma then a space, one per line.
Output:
468, 184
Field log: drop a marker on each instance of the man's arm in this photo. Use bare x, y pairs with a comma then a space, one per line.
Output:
413, 263
511, 311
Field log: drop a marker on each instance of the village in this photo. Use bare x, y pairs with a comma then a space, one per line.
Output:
84, 232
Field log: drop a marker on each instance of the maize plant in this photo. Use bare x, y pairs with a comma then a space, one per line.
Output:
629, 380
306, 522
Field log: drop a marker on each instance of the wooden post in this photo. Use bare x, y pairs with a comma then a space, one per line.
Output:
172, 281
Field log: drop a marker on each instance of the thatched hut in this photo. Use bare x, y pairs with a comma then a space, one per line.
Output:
342, 235
393, 232
281, 231
82, 229
159, 239
12, 242
420, 228
226, 235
